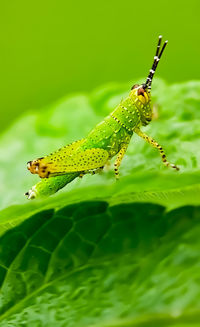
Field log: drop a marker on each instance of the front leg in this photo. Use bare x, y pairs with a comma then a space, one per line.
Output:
157, 146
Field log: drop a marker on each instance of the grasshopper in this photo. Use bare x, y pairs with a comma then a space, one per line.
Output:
109, 138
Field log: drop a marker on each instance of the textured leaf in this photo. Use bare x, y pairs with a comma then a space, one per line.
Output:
91, 264
143, 177
92, 255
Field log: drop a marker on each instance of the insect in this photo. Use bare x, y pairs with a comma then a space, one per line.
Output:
109, 138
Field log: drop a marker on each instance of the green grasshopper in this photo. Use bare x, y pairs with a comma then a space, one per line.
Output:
109, 138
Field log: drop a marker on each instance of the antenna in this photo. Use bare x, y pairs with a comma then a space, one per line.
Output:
155, 62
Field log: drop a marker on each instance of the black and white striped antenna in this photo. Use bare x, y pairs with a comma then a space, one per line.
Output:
155, 62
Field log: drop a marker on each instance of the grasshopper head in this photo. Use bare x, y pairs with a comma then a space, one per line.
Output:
141, 93
141, 97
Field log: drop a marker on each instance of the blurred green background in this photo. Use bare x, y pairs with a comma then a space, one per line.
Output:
50, 48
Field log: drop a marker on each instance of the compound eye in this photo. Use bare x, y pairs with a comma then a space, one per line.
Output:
141, 91
134, 86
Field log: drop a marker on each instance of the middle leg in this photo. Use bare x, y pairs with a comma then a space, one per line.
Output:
119, 158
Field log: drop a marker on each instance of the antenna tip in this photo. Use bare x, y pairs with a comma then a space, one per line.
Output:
160, 37
166, 41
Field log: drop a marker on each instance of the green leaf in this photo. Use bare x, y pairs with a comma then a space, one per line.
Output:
93, 254
143, 176
91, 264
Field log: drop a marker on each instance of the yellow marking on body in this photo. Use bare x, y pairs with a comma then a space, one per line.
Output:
59, 155
78, 161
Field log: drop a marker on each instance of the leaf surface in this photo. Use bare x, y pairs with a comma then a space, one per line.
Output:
91, 264
143, 176
104, 253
